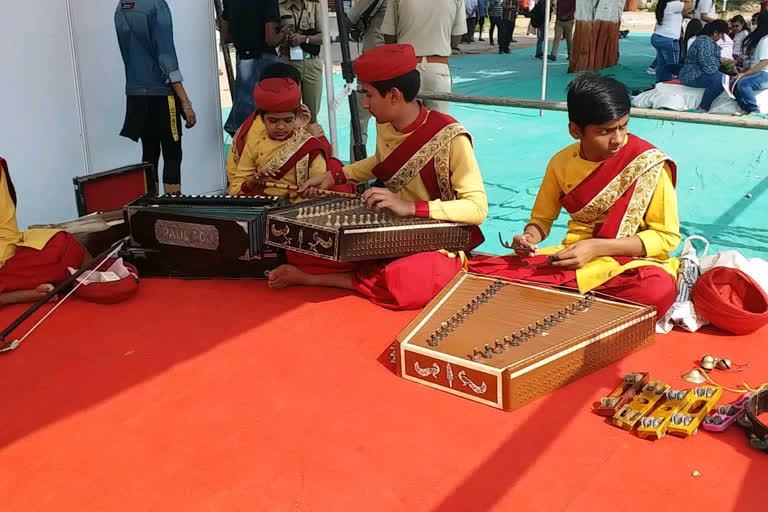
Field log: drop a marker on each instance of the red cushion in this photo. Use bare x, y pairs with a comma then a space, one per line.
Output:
110, 292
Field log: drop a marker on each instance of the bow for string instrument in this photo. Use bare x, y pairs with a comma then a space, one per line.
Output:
102, 258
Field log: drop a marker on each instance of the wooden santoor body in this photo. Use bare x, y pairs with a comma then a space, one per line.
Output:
568, 349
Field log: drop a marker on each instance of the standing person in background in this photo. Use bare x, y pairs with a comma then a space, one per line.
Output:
301, 48
470, 8
369, 14
705, 11
156, 99
252, 28
666, 36
508, 19
495, 12
538, 22
482, 12
434, 28
566, 10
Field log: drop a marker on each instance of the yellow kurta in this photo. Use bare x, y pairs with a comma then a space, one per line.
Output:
471, 205
659, 230
258, 152
10, 236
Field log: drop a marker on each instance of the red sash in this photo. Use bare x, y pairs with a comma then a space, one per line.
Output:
6, 176
601, 177
429, 123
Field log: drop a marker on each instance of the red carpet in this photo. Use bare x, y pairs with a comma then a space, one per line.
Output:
225, 396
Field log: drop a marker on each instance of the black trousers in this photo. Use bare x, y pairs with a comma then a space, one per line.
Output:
150, 149
495, 22
505, 33
470, 35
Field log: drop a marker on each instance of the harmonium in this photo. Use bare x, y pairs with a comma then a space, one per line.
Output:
504, 343
343, 229
200, 236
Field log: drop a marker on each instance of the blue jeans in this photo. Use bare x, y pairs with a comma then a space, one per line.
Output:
712, 85
540, 42
667, 52
746, 89
248, 75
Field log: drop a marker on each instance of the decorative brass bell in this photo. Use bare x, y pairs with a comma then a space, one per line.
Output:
694, 376
709, 363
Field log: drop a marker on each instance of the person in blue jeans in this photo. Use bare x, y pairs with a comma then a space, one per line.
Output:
755, 78
702, 64
537, 22
253, 28
666, 36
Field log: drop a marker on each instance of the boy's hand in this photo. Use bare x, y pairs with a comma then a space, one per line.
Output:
576, 255
303, 116
524, 245
384, 198
256, 182
320, 182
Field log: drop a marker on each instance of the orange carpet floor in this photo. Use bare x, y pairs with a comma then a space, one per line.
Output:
226, 396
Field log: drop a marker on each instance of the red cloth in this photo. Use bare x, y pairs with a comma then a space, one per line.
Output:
400, 284
30, 268
603, 176
277, 95
731, 300
647, 285
385, 63
110, 292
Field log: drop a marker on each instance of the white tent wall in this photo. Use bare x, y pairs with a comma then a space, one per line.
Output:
60, 81
39, 115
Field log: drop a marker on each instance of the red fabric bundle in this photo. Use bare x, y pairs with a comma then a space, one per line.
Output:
731, 300
111, 292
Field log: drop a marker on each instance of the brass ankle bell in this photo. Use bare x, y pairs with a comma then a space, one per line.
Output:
709, 363
694, 376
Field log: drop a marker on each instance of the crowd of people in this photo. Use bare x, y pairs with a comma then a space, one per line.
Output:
709, 53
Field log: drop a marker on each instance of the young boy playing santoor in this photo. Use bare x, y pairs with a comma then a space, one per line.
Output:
426, 162
270, 147
619, 191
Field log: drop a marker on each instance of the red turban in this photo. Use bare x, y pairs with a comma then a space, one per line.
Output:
385, 63
111, 292
731, 300
277, 95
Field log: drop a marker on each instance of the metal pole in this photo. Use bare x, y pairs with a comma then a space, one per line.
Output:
328, 65
225, 51
348, 71
645, 113
724, 14
545, 55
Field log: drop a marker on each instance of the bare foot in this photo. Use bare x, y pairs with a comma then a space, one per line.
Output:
23, 296
287, 275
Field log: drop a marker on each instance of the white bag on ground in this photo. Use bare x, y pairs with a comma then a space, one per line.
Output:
682, 313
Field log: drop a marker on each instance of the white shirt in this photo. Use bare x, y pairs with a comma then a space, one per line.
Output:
761, 52
726, 47
705, 7
672, 22
427, 25
690, 42
738, 42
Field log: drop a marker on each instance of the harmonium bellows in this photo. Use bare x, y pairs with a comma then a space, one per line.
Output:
504, 343
201, 236
343, 229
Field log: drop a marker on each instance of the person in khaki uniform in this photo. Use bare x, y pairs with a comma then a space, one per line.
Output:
369, 14
434, 28
301, 49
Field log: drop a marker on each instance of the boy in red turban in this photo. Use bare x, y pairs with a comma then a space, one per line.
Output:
426, 162
270, 147
31, 261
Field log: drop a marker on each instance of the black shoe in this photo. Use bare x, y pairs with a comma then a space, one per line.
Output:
539, 56
507, 50
492, 42
552, 58
513, 41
